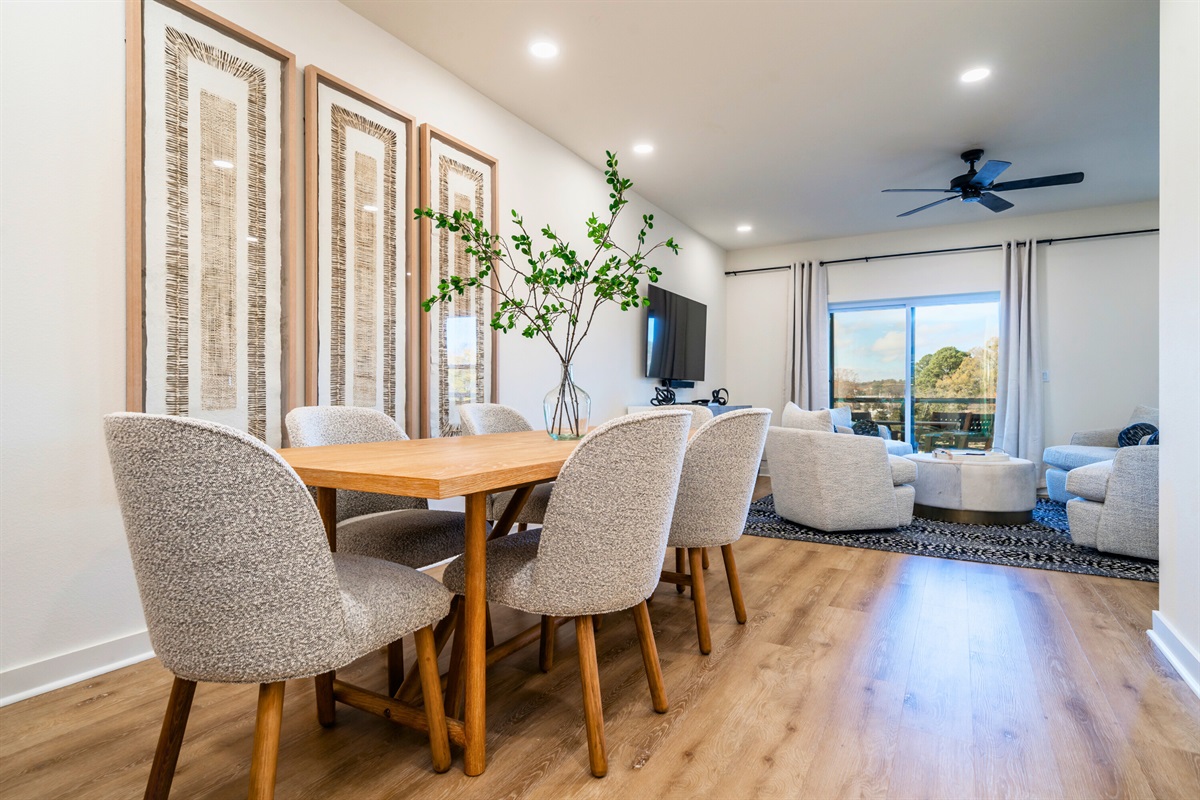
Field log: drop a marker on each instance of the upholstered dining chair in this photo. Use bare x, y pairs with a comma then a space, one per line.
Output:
717, 484
239, 586
601, 548
484, 418
403, 530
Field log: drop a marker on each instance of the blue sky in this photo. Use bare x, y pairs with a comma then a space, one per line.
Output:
872, 342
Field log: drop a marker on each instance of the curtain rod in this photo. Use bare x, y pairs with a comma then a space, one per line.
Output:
761, 269
985, 247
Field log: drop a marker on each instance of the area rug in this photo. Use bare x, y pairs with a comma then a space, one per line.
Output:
1041, 544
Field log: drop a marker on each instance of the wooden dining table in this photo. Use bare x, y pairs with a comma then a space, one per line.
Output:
436, 469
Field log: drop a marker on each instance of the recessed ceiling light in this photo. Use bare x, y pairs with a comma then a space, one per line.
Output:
977, 74
220, 164
643, 148
744, 228
370, 208
543, 49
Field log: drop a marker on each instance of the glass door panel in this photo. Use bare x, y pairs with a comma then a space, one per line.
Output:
954, 375
870, 364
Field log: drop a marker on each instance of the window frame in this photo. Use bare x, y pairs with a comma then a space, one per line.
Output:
909, 304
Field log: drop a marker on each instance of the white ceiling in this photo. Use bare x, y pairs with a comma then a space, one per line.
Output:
791, 116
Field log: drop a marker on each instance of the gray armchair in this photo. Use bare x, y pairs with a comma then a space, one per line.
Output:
834, 482
1115, 508
1086, 447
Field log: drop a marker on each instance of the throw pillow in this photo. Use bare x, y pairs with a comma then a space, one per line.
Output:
1152, 438
1133, 434
796, 417
866, 427
842, 417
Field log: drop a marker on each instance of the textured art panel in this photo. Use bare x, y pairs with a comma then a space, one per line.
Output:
206, 334
360, 192
458, 342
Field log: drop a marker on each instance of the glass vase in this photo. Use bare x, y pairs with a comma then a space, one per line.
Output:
567, 408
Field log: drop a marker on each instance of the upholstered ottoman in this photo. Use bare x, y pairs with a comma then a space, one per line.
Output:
982, 490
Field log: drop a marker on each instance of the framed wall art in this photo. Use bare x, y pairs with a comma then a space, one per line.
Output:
211, 195
360, 252
458, 345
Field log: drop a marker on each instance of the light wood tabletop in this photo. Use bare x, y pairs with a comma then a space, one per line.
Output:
468, 466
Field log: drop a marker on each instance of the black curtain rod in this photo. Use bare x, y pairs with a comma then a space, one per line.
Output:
761, 269
985, 247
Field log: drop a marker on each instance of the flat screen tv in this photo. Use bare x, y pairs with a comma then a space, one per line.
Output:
675, 335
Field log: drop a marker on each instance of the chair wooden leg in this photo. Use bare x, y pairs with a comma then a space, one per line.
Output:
680, 566
699, 600
441, 634
593, 710
658, 692
546, 647
431, 685
170, 739
454, 680
704, 553
395, 666
266, 741
597, 623
735, 584
522, 526
326, 706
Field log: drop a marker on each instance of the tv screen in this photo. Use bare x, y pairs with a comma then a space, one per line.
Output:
675, 335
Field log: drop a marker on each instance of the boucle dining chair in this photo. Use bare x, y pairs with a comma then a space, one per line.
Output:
403, 530
485, 418
601, 548
715, 489
700, 415
238, 584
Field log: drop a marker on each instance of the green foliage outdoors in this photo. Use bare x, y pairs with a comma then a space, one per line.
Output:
541, 288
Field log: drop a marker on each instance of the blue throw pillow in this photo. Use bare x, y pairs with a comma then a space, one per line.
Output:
1153, 438
866, 427
1134, 433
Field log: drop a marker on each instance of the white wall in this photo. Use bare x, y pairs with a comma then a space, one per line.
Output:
1177, 622
1099, 312
68, 604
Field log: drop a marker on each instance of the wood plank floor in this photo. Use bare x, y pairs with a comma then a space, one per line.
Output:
859, 674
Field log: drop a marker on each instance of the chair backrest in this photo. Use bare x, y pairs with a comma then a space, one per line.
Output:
482, 418
232, 564
317, 426
719, 472
700, 414
605, 531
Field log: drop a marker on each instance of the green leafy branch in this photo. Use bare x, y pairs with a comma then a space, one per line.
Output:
541, 289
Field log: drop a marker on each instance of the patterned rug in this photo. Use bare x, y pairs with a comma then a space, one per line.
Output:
1041, 544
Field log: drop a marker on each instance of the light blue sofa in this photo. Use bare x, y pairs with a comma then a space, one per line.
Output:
1086, 447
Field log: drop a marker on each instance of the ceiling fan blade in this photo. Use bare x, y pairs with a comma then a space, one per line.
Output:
1036, 183
919, 190
989, 172
929, 205
994, 202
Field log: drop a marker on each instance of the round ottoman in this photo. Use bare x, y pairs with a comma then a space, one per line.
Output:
981, 490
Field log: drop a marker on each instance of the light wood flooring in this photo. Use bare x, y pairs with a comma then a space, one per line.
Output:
859, 674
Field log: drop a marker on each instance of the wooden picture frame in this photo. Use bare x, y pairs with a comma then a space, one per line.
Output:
213, 69
437, 143
340, 120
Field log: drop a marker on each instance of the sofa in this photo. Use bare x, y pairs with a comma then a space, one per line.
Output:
1115, 503
833, 482
1086, 447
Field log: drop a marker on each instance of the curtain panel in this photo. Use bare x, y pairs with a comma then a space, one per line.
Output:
1019, 382
808, 339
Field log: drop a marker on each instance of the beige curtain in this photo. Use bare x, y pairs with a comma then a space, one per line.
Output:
1019, 382
808, 339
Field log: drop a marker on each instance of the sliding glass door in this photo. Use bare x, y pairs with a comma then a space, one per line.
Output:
925, 367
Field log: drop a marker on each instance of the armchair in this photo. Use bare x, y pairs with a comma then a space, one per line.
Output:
834, 482
1116, 507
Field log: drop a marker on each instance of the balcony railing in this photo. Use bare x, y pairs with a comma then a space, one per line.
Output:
961, 422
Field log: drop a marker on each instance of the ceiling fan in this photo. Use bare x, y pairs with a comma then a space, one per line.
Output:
977, 186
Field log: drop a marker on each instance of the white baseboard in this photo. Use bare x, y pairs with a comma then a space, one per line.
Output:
1175, 649
20, 683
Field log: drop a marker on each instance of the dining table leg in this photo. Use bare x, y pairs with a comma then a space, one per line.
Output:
475, 635
326, 705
